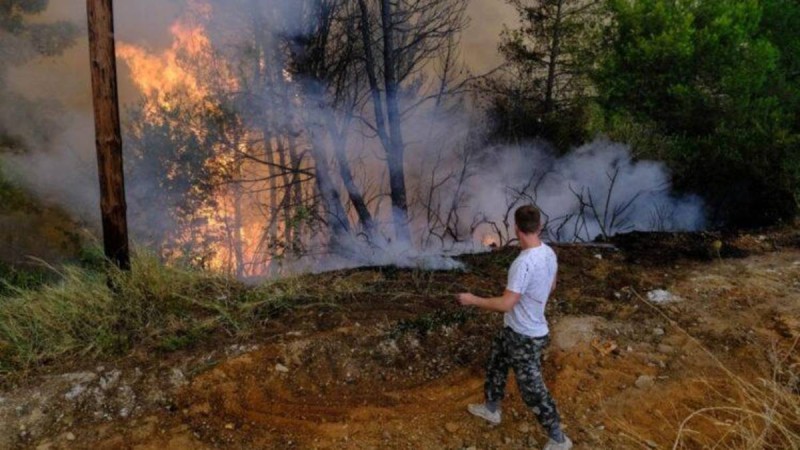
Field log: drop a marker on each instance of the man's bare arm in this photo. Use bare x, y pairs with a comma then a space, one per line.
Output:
499, 304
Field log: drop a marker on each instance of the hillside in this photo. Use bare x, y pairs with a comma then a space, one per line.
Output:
389, 360
31, 228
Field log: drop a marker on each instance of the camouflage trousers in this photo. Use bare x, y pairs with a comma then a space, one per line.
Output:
524, 354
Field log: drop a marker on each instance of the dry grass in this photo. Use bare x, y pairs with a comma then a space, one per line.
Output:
91, 311
760, 415
764, 414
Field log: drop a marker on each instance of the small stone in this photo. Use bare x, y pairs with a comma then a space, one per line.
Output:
281, 368
230, 426
110, 380
507, 440
75, 392
645, 382
524, 428
661, 296
177, 378
79, 377
658, 331
70, 436
666, 349
651, 444
451, 427
598, 256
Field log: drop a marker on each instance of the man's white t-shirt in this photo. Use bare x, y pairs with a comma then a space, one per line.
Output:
531, 275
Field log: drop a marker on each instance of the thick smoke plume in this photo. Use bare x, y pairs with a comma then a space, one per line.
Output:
596, 190
197, 112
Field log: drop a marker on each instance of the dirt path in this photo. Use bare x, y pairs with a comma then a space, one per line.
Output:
389, 371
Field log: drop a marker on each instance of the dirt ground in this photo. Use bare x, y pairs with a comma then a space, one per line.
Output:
395, 365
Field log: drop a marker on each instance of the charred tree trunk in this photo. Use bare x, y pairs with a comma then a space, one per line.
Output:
108, 137
397, 180
371, 66
270, 145
339, 139
555, 48
238, 222
335, 214
286, 204
297, 192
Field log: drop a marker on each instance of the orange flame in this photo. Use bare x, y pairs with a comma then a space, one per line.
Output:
160, 74
185, 67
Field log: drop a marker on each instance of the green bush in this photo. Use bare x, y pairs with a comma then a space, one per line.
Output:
715, 82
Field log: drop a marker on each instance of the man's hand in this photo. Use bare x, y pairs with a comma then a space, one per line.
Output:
466, 299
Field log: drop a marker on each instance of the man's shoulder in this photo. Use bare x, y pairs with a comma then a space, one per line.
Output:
544, 251
550, 252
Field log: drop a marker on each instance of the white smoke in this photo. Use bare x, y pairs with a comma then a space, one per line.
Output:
595, 190
462, 194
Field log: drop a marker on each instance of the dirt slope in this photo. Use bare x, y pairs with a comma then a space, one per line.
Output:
395, 366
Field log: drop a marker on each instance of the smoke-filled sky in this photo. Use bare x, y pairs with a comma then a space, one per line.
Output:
146, 23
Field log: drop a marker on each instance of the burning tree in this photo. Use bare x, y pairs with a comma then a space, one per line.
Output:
246, 132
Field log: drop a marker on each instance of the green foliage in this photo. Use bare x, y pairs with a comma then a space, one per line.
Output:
711, 87
13, 279
544, 89
712, 82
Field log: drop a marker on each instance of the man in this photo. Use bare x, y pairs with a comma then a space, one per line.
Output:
519, 345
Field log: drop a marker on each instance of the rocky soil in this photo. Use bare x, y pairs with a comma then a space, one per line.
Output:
642, 337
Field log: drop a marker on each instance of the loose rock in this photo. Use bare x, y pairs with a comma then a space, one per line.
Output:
666, 349
645, 382
661, 296
177, 378
658, 331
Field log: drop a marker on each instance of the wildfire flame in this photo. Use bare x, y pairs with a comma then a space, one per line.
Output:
159, 74
183, 68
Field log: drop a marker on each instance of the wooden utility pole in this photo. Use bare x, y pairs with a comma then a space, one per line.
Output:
108, 136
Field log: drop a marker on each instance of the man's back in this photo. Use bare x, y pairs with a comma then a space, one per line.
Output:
531, 275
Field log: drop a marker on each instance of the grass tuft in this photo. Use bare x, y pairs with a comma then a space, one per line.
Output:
95, 309
761, 415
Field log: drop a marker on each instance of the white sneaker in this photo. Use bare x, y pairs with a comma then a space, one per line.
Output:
553, 445
480, 410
